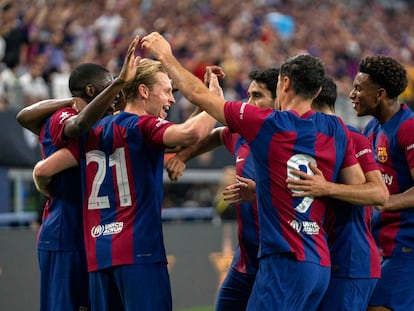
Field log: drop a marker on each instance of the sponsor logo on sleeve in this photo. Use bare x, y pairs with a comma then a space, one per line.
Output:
160, 122
410, 147
362, 152
242, 107
64, 116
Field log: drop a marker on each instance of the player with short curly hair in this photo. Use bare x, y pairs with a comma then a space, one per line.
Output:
377, 85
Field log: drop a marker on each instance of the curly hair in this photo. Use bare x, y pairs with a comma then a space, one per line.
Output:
268, 77
88, 73
387, 72
306, 73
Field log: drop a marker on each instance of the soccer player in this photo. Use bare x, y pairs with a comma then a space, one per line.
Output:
235, 290
354, 254
294, 263
121, 160
60, 242
376, 87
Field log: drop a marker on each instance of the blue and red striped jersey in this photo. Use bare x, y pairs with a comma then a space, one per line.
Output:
245, 259
61, 228
393, 146
121, 160
354, 253
279, 141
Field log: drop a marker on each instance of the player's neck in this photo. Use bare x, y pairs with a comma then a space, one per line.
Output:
132, 107
299, 105
387, 110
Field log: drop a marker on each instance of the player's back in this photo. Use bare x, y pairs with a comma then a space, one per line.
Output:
62, 216
122, 159
293, 143
281, 141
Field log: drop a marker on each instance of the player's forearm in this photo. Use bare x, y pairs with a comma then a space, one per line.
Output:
40, 180
201, 125
33, 116
369, 193
399, 201
193, 88
210, 142
94, 111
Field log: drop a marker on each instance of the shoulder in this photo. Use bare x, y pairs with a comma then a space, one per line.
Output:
63, 114
371, 125
405, 120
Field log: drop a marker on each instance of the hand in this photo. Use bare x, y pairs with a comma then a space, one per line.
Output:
156, 44
175, 168
390, 205
244, 190
129, 68
306, 184
214, 86
217, 70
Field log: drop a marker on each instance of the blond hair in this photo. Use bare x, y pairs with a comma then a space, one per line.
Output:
145, 74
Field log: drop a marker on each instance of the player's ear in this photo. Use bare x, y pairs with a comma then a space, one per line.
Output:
287, 83
381, 93
143, 90
90, 90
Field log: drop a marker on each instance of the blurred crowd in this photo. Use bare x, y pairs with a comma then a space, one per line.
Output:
42, 40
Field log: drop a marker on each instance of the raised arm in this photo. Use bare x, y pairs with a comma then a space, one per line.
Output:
95, 110
32, 117
218, 71
189, 85
194, 129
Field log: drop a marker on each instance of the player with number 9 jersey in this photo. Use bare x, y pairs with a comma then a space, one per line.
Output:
290, 228
290, 224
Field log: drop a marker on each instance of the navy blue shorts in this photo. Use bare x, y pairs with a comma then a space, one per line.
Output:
63, 280
395, 289
144, 287
283, 283
235, 291
348, 294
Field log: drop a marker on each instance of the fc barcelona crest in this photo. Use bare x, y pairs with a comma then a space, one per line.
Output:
382, 154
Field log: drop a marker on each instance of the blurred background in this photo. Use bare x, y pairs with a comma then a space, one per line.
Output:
42, 41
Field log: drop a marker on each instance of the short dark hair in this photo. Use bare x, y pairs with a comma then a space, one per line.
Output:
387, 72
88, 73
328, 94
268, 77
306, 73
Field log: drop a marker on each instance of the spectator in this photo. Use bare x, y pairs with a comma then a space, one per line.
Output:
34, 86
